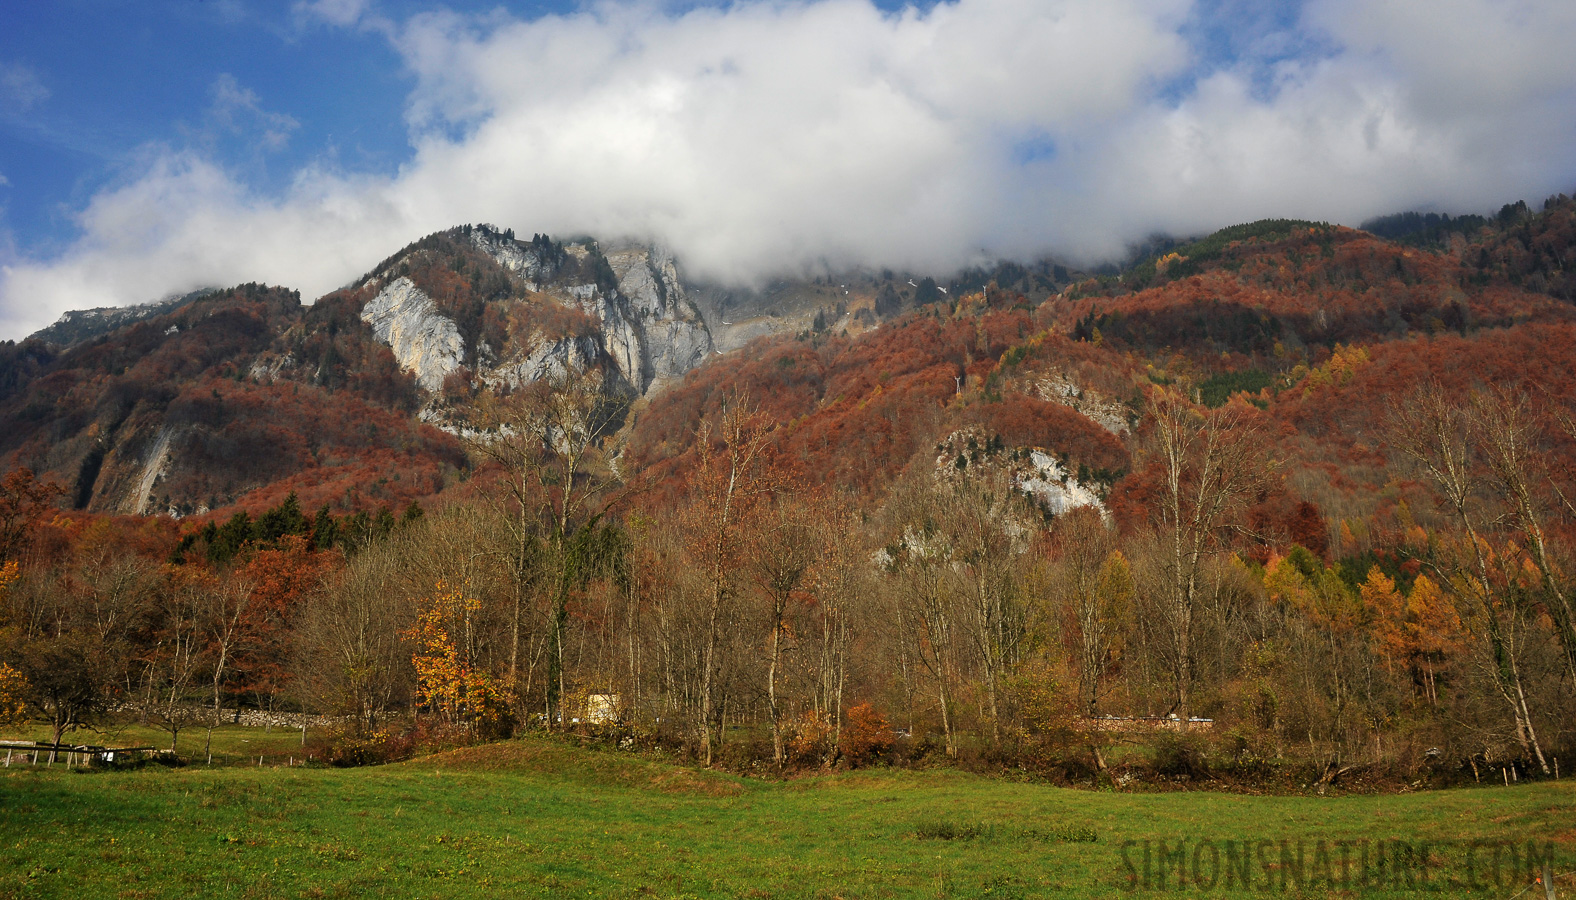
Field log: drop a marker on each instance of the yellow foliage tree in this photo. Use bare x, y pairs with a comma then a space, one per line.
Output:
1418, 630
12, 689
447, 682
13, 685
1388, 609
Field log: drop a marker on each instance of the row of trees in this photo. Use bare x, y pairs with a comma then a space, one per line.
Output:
746, 615
958, 609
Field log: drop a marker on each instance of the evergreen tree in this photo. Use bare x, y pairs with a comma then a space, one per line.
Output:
325, 531
286, 518
413, 514
229, 539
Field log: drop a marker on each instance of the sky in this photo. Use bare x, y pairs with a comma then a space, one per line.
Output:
152, 147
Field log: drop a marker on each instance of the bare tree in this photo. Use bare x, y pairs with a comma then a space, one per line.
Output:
176, 657
1436, 434
1096, 587
349, 654
986, 544
786, 546
222, 618
840, 584
546, 436
918, 559
1508, 431
728, 480
1211, 462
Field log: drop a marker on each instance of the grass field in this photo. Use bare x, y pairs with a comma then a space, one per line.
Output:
539, 818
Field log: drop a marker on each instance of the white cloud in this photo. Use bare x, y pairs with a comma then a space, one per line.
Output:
342, 13
20, 88
761, 137
236, 110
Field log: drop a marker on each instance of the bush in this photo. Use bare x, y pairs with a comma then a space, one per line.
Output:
1179, 756
809, 740
349, 749
866, 735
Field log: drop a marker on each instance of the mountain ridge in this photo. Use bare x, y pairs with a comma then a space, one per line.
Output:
232, 397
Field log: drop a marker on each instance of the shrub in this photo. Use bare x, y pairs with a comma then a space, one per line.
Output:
1179, 756
866, 735
809, 739
349, 749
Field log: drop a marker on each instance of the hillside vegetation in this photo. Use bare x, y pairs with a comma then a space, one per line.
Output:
1288, 506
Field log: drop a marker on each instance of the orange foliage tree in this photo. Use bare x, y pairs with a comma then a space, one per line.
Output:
448, 683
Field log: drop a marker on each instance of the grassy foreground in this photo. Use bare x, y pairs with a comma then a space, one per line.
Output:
538, 818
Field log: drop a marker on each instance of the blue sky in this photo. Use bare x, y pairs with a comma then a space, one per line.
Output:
114, 77
152, 147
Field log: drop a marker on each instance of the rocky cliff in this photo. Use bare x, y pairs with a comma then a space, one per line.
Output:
425, 341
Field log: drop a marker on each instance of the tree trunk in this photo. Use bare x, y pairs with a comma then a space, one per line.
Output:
771, 685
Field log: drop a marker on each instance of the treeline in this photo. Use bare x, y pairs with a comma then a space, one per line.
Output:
753, 616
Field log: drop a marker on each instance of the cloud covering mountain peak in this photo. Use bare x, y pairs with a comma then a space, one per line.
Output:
757, 138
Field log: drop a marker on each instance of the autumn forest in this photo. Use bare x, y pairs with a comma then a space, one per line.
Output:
1290, 504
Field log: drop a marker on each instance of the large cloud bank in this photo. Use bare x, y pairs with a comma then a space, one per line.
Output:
761, 137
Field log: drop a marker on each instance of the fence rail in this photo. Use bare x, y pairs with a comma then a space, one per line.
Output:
75, 754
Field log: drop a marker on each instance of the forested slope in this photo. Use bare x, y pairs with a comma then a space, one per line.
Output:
1306, 485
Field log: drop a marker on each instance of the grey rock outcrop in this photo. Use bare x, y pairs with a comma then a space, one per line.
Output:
668, 330
424, 340
650, 330
647, 327
545, 359
508, 253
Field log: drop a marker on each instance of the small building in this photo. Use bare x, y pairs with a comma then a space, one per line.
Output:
602, 709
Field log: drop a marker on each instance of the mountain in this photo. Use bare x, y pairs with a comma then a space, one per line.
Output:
233, 398
77, 326
1325, 328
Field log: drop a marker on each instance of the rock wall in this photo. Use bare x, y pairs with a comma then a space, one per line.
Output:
158, 458
425, 341
648, 329
546, 359
669, 332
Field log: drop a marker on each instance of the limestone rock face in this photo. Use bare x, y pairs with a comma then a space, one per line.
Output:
1059, 492
1035, 472
668, 331
1108, 414
546, 359
158, 459
647, 328
426, 342
650, 330
511, 255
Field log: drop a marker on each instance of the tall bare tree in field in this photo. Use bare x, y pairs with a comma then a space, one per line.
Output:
841, 584
1438, 435
1211, 463
1096, 587
1509, 434
546, 436
176, 658
786, 545
728, 481
985, 551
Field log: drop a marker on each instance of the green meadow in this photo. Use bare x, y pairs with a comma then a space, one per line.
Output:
538, 817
